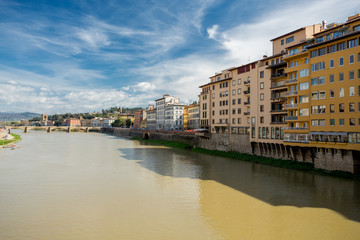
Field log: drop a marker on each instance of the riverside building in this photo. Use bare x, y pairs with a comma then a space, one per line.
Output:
161, 104
302, 103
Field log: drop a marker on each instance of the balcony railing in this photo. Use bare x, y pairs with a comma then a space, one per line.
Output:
277, 122
247, 92
247, 82
276, 75
277, 85
291, 93
291, 105
288, 81
291, 118
246, 103
246, 113
278, 99
296, 128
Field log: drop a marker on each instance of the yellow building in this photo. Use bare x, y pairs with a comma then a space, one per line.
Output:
324, 112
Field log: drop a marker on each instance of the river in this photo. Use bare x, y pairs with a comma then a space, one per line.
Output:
97, 186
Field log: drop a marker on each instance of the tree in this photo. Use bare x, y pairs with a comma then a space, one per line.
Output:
128, 122
120, 122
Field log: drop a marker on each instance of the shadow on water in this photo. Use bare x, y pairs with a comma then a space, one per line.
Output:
276, 186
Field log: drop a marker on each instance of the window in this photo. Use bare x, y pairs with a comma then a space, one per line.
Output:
318, 122
351, 75
351, 59
352, 43
341, 46
352, 121
314, 96
239, 90
290, 39
282, 42
341, 92
332, 108
352, 91
233, 82
317, 66
341, 77
261, 85
332, 78
332, 122
341, 122
341, 107
303, 73
213, 95
262, 74
304, 99
304, 86
261, 119
291, 64
239, 81
296, 63
314, 53
233, 92
239, 100
261, 108
341, 61
322, 51
351, 107
233, 101
332, 93
261, 96
318, 81
332, 63
331, 48
304, 112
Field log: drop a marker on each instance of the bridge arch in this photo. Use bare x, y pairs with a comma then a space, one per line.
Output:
146, 135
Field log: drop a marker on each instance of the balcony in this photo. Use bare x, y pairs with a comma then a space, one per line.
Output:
247, 103
247, 91
247, 82
277, 122
278, 99
291, 118
277, 85
296, 128
290, 81
291, 93
278, 75
246, 113
277, 110
291, 105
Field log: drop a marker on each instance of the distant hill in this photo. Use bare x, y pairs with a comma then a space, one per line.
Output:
8, 116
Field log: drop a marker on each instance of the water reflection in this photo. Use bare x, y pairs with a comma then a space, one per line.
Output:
276, 186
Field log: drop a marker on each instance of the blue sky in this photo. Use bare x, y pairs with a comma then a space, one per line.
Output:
61, 56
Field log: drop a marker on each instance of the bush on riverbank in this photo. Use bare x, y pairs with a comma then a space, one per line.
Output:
16, 139
288, 164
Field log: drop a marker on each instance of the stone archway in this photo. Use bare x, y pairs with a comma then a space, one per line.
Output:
146, 136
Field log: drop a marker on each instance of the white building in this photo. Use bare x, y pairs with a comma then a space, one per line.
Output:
160, 109
174, 117
108, 122
95, 122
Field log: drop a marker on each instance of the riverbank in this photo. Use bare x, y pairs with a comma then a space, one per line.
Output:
5, 142
288, 164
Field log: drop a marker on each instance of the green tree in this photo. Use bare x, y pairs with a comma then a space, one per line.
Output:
128, 122
120, 122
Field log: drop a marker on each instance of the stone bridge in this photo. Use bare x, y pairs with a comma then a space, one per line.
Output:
49, 129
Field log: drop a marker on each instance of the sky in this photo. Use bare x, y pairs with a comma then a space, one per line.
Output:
59, 56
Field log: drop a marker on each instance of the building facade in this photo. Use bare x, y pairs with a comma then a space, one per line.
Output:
174, 117
160, 109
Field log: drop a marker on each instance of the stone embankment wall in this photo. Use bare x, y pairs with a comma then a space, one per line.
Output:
221, 142
346, 160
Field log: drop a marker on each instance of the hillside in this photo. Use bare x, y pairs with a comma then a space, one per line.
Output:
8, 116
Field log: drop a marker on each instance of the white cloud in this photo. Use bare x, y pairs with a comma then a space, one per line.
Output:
213, 32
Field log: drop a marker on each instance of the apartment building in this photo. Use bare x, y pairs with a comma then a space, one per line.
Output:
193, 112
326, 118
150, 118
174, 117
161, 103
